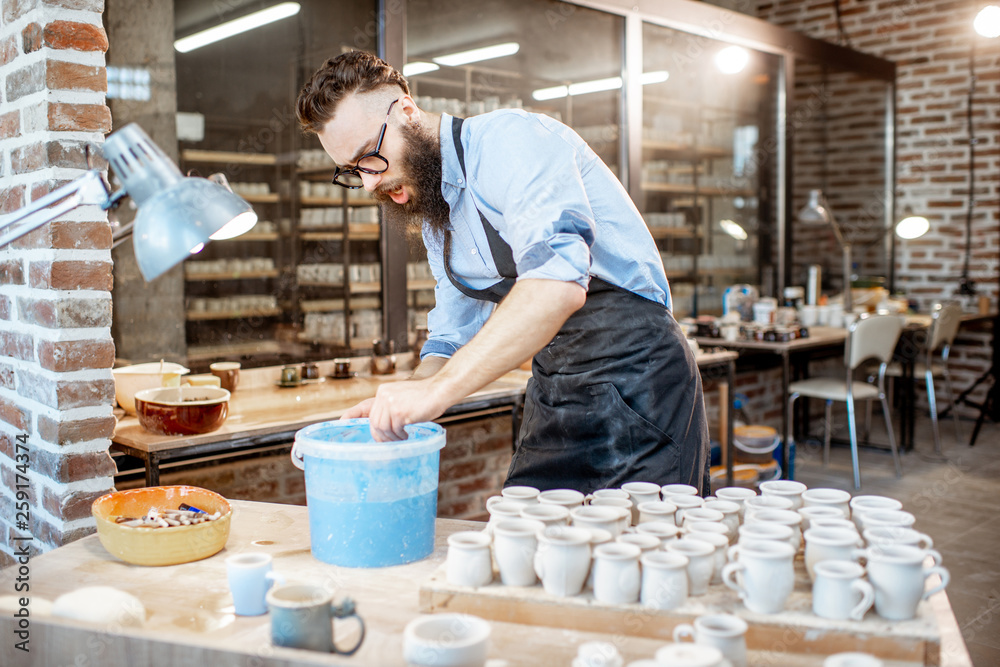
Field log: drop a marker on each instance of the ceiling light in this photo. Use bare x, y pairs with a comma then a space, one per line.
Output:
419, 67
477, 55
987, 22
237, 26
733, 229
595, 86
732, 59
912, 227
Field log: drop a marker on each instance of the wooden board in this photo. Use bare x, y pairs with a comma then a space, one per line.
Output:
795, 630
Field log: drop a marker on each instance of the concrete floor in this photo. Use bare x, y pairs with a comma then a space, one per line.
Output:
956, 502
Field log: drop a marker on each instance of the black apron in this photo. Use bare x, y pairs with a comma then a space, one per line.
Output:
616, 395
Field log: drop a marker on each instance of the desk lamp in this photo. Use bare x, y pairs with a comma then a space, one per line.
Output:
817, 211
176, 215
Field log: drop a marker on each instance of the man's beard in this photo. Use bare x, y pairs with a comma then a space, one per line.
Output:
420, 171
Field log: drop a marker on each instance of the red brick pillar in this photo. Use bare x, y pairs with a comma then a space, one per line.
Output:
56, 388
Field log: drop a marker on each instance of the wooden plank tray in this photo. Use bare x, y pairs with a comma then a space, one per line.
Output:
795, 630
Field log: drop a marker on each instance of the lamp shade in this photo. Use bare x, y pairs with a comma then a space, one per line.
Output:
176, 214
815, 212
172, 224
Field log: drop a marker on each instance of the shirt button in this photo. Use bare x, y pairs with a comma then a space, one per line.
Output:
460, 181
474, 251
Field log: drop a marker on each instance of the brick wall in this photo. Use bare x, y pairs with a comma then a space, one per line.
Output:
56, 387
473, 467
929, 40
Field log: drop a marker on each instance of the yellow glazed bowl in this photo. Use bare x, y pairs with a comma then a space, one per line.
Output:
161, 546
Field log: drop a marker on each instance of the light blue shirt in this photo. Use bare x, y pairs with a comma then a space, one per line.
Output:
550, 197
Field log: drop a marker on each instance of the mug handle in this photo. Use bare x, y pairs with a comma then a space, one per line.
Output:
346, 609
275, 578
733, 553
928, 543
683, 630
729, 574
934, 554
867, 598
945, 578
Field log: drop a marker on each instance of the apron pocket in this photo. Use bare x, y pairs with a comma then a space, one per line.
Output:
621, 410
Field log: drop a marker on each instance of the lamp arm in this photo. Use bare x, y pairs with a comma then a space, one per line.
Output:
89, 189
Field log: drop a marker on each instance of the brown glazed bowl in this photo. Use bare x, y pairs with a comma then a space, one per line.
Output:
182, 410
161, 546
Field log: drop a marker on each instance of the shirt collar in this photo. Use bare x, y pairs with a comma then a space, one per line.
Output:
451, 170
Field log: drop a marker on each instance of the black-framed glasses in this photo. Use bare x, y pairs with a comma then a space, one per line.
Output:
369, 163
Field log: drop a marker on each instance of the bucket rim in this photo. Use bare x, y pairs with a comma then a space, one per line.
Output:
431, 439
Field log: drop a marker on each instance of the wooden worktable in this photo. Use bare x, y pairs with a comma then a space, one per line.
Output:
190, 621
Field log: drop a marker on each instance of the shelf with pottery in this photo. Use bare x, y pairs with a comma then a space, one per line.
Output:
193, 315
237, 275
227, 157
691, 189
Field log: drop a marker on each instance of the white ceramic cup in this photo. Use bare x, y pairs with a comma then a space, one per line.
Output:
606, 517
897, 573
738, 495
678, 490
764, 530
701, 562
623, 503
730, 515
830, 544
689, 655
784, 517
665, 532
683, 504
784, 488
562, 560
823, 497
820, 511
514, 545
861, 504
725, 632
664, 580
882, 518
568, 498
697, 514
617, 577
721, 545
501, 509
659, 510
446, 640
826, 522
763, 574
608, 493
646, 543
550, 515
757, 503
839, 592
250, 576
852, 659
597, 654
469, 562
885, 535
525, 495
641, 492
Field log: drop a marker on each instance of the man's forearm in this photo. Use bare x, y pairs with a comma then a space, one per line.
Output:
428, 367
525, 322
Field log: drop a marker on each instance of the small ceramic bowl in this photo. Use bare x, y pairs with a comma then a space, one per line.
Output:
182, 410
161, 546
446, 640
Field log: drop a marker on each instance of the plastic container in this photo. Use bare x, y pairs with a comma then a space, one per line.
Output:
371, 504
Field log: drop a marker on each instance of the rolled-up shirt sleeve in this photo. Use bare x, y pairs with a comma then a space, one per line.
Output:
455, 318
537, 200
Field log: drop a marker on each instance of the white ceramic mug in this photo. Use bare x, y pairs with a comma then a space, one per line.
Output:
822, 497
757, 503
646, 543
550, 515
612, 519
785, 518
696, 514
830, 544
678, 490
641, 492
725, 632
861, 504
730, 516
659, 510
818, 512
897, 573
683, 504
826, 522
765, 530
839, 592
721, 544
250, 576
514, 545
562, 560
469, 562
738, 495
882, 518
763, 574
617, 577
501, 509
524, 495
442, 640
885, 535
784, 488
664, 580
623, 503
568, 498
665, 532
608, 493
701, 563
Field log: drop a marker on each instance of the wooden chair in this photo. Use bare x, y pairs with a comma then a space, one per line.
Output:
869, 337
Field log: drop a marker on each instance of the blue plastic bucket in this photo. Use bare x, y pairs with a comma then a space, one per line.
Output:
371, 504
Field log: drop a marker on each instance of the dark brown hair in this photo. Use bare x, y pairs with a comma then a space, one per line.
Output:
351, 72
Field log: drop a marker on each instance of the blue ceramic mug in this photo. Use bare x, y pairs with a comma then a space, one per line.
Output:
302, 617
249, 578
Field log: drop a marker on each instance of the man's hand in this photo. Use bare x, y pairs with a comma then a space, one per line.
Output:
407, 402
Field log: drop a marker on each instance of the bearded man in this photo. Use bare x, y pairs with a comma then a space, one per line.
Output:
538, 253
